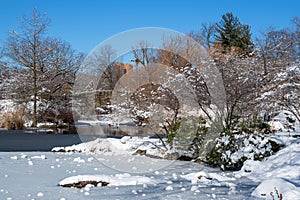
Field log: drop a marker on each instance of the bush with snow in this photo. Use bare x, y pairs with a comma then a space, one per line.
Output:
231, 151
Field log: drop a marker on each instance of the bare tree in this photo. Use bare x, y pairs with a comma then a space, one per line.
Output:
58, 75
143, 54
46, 64
205, 36
103, 62
182, 90
277, 49
25, 49
4, 73
288, 95
184, 56
296, 22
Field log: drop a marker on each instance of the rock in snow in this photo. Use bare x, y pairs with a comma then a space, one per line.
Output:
105, 180
279, 188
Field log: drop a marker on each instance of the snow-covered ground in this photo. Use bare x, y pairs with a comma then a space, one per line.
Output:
36, 175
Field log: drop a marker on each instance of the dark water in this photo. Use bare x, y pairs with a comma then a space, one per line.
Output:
30, 140
23, 141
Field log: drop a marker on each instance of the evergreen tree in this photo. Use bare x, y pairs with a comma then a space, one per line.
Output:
232, 35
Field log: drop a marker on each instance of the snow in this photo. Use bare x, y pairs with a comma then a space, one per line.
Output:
169, 188
14, 157
280, 170
103, 148
278, 165
7, 105
99, 145
274, 186
116, 180
37, 157
40, 194
276, 126
36, 175
30, 162
127, 145
26, 182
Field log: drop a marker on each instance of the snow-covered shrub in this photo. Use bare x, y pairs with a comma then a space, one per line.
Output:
57, 116
232, 150
48, 115
139, 116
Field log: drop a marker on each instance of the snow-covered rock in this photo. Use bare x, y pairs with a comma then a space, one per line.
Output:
112, 146
116, 180
276, 126
100, 145
277, 188
206, 176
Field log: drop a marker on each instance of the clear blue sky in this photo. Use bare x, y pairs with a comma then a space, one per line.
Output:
85, 23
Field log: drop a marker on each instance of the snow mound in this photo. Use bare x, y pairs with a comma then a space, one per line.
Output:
112, 146
276, 126
276, 187
280, 165
280, 170
99, 145
208, 176
116, 180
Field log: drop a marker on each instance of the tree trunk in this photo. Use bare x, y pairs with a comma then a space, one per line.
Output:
34, 123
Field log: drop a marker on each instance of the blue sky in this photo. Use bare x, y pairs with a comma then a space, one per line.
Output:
86, 23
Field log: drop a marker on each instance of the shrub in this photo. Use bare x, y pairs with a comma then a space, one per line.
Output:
231, 151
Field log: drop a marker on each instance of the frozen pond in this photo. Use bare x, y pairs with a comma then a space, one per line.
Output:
36, 175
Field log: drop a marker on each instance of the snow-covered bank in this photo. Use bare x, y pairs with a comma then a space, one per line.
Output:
280, 171
127, 145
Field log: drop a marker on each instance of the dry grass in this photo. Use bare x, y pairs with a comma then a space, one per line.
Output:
14, 120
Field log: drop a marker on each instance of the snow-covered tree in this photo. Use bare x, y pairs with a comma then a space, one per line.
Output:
283, 92
277, 48
242, 78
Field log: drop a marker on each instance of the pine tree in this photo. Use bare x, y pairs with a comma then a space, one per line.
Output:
232, 35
